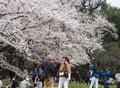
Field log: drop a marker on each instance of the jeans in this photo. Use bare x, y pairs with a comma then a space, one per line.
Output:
50, 80
94, 80
64, 81
105, 84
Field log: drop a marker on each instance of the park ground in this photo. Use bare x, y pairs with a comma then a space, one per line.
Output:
71, 85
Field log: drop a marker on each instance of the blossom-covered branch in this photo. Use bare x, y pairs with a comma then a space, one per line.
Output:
36, 28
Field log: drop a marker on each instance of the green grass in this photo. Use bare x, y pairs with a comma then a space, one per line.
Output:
71, 85
86, 86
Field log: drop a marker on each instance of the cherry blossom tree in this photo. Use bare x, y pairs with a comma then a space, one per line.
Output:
36, 28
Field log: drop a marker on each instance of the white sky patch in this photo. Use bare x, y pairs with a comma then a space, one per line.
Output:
115, 3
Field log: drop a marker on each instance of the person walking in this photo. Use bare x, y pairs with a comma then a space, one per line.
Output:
64, 73
95, 75
48, 68
106, 76
117, 77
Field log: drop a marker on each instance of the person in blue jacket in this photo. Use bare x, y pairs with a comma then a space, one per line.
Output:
95, 75
35, 72
91, 67
106, 76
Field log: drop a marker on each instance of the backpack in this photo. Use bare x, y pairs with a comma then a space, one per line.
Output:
42, 74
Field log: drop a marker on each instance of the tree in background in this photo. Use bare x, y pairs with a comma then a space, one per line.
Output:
84, 5
111, 56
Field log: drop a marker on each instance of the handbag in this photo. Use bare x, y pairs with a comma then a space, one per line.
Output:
61, 73
66, 74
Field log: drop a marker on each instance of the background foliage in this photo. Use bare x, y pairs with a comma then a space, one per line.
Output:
111, 56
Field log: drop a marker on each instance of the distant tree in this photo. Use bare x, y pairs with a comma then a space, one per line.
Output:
112, 14
111, 56
84, 5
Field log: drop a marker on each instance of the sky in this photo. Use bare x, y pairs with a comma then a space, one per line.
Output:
115, 3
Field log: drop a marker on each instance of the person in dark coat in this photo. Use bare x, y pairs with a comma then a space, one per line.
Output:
48, 67
12, 74
14, 83
77, 78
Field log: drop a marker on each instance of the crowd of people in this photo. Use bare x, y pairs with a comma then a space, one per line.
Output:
96, 73
42, 75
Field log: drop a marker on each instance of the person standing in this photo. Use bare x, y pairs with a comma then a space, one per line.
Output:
1, 84
95, 75
35, 72
106, 76
65, 67
117, 77
48, 68
14, 83
12, 74
77, 77
90, 73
